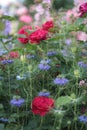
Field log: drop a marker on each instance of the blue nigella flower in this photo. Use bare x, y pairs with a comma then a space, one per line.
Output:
51, 53
2, 52
30, 56
7, 27
64, 52
3, 119
46, 94
83, 118
44, 67
18, 77
4, 62
17, 102
44, 64
82, 64
61, 81
68, 41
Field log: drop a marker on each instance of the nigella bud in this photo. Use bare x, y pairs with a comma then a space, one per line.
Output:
22, 58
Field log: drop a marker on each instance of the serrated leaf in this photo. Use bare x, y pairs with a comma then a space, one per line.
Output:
63, 100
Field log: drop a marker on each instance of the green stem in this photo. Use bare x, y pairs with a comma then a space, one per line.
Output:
41, 122
9, 81
4, 46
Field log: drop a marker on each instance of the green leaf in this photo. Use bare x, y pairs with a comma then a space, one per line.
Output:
1, 126
10, 18
1, 106
79, 21
63, 100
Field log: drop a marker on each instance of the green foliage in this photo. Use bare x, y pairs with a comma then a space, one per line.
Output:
62, 4
63, 100
6, 17
1, 126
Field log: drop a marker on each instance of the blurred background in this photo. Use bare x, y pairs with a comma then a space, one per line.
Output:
32, 12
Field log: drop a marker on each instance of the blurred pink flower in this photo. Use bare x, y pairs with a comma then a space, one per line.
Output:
72, 14
82, 83
47, 1
39, 9
1, 11
21, 11
25, 18
37, 17
81, 36
69, 14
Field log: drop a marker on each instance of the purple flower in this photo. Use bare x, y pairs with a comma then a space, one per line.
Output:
44, 64
68, 41
2, 52
4, 62
7, 27
30, 56
46, 94
83, 118
51, 53
82, 64
61, 81
3, 119
17, 102
64, 52
44, 67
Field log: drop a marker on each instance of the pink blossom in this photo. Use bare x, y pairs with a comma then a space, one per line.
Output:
47, 1
81, 36
25, 18
72, 14
21, 11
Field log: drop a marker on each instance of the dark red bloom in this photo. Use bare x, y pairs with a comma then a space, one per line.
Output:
38, 36
14, 54
42, 105
24, 31
83, 9
48, 25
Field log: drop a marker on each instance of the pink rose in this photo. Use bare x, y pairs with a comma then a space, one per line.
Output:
83, 9
14, 54
25, 18
21, 11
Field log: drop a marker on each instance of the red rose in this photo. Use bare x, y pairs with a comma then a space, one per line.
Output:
24, 31
83, 9
48, 25
14, 54
38, 36
41, 105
